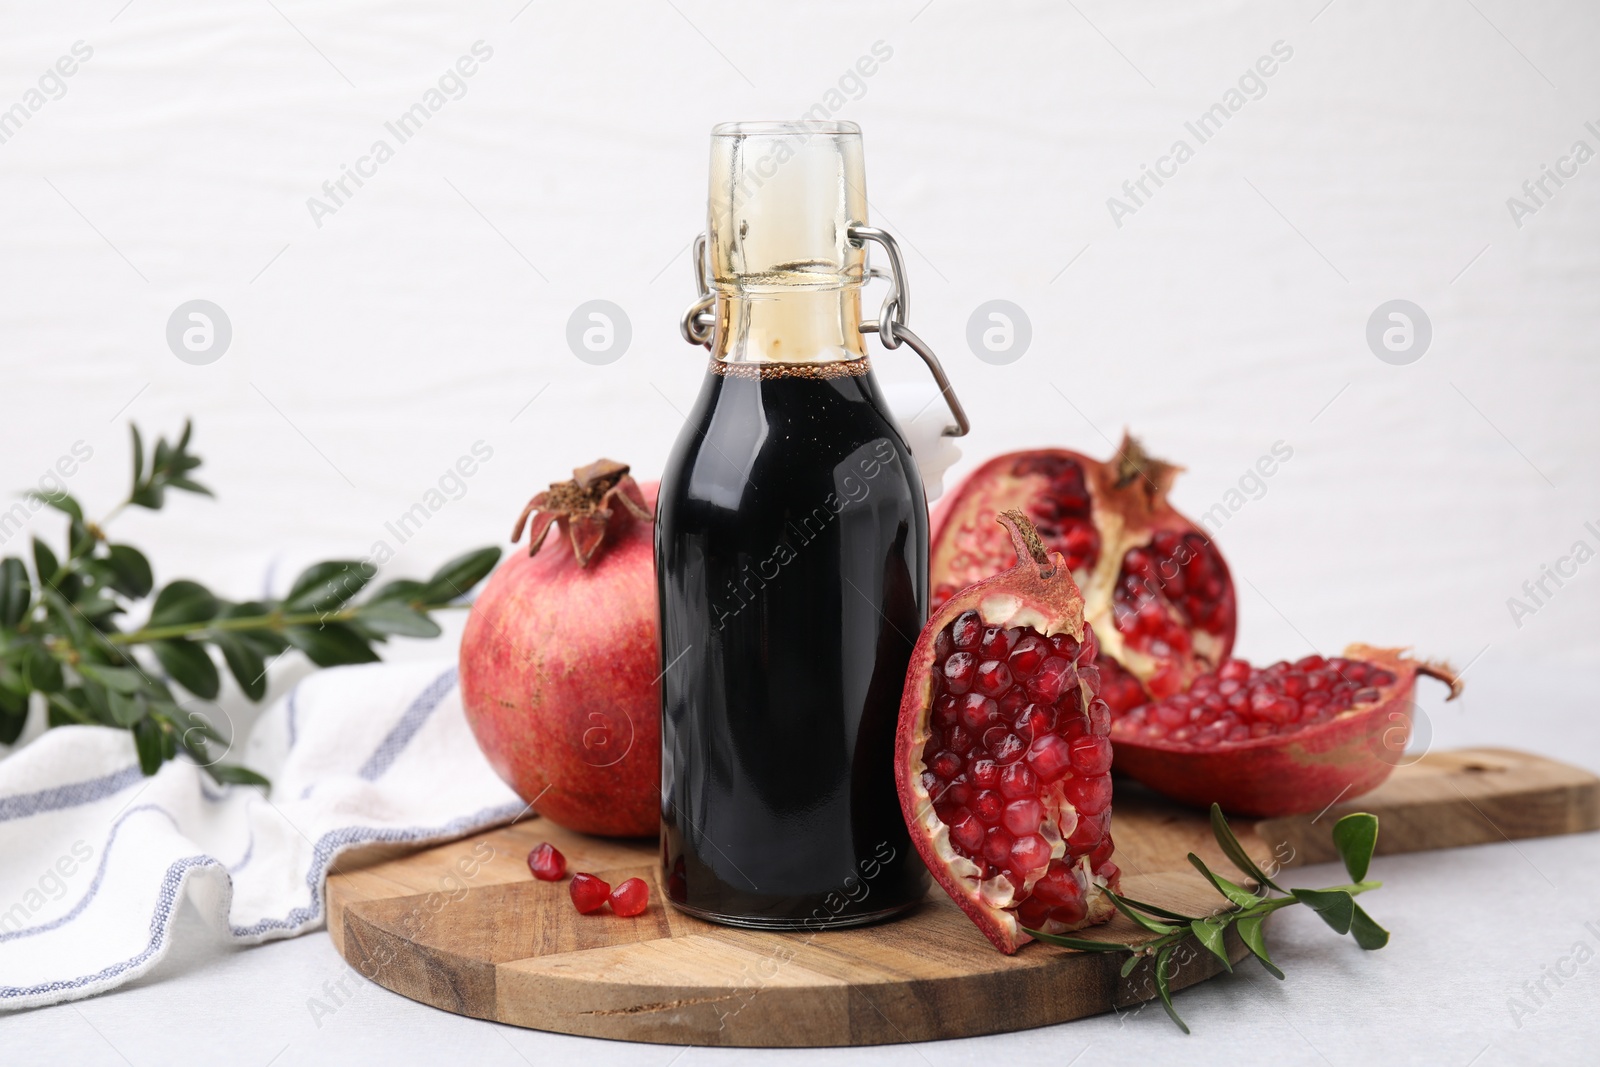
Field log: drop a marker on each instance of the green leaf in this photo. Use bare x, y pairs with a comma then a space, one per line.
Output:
60, 500
1255, 940
402, 589
16, 593
148, 740
182, 602
396, 619
138, 455
1164, 990
80, 542
13, 713
246, 664
232, 774
189, 666
1130, 963
41, 669
331, 644
1368, 934
132, 575
1079, 943
1234, 893
1152, 909
68, 708
1235, 851
327, 585
1336, 907
119, 679
44, 562
457, 577
125, 710
1356, 836
1209, 934
1149, 924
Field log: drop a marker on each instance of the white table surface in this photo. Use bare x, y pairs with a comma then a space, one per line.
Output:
1469, 927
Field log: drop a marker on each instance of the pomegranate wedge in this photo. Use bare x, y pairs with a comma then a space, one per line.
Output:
1280, 740
1154, 584
1003, 758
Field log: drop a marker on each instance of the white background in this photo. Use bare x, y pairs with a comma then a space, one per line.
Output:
1228, 313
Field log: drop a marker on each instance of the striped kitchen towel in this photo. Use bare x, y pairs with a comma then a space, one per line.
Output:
95, 858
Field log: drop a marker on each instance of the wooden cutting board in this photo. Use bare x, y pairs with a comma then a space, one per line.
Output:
464, 927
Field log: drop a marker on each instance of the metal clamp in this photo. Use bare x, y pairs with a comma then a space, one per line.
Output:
892, 324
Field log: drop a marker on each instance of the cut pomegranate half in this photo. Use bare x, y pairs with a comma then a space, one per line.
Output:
1279, 740
1155, 587
1002, 757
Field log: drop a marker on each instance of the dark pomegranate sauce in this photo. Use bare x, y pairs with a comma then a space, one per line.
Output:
791, 550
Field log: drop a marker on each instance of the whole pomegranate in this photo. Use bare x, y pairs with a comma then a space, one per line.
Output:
1154, 585
558, 662
1002, 757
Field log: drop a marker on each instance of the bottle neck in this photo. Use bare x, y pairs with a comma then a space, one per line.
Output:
775, 324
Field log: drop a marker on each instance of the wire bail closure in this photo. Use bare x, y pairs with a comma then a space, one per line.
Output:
892, 324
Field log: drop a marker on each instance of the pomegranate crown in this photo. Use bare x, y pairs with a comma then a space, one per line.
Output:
582, 508
1145, 475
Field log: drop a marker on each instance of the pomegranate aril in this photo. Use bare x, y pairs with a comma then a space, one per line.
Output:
1091, 795
946, 765
1008, 749
589, 893
1087, 834
960, 742
1050, 757
1018, 781
946, 711
959, 670
1023, 816
1029, 853
988, 807
1071, 914
1058, 886
1031, 651
967, 833
630, 898
996, 643
1235, 670
547, 863
1032, 913
985, 773
997, 847
1090, 756
1051, 678
993, 678
967, 631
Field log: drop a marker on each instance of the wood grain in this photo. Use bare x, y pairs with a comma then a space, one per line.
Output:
464, 927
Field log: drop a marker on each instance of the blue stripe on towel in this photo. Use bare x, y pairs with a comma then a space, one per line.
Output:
94, 885
322, 858
400, 736
71, 795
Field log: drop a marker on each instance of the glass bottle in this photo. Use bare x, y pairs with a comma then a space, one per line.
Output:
791, 559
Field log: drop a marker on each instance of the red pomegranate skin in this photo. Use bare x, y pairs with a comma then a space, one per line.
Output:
559, 679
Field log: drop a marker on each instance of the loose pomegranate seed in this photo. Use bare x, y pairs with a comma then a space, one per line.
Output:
630, 898
547, 863
1246, 703
589, 893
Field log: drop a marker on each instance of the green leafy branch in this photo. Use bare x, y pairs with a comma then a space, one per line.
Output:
1355, 836
60, 638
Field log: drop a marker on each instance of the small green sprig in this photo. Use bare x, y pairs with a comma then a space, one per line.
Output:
1355, 836
59, 633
